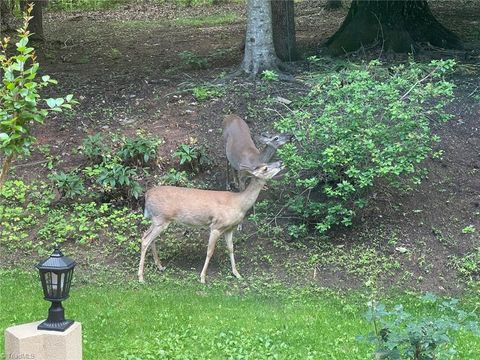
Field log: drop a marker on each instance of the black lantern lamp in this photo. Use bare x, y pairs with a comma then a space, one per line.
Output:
56, 275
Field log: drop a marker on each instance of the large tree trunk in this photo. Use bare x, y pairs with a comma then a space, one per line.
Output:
398, 25
259, 51
333, 4
7, 20
283, 22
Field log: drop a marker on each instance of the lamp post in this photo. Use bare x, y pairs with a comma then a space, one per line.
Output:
56, 275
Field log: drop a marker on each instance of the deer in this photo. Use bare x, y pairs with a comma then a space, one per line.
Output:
241, 151
222, 211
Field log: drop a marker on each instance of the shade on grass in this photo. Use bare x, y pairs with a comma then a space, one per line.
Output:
191, 321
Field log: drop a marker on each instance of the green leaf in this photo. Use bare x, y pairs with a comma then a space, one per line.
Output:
52, 103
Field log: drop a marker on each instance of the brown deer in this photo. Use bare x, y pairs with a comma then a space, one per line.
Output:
221, 210
241, 151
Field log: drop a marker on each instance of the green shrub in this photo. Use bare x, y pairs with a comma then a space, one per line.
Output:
94, 147
193, 155
400, 335
20, 99
70, 184
116, 179
139, 150
356, 127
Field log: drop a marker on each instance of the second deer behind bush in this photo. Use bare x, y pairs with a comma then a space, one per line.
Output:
242, 152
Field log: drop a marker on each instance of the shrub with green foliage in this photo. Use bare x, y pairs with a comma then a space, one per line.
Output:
115, 166
114, 177
69, 184
139, 150
20, 99
400, 335
94, 147
194, 155
358, 126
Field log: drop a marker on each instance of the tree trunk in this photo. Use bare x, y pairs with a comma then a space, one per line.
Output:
283, 23
259, 51
35, 26
7, 20
333, 4
395, 25
5, 168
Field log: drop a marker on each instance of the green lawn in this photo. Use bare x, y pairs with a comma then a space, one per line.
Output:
172, 320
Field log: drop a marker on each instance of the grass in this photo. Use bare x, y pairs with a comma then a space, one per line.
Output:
185, 320
209, 20
84, 5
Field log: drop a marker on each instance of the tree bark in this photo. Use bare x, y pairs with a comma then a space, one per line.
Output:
283, 23
7, 20
5, 168
397, 25
259, 50
333, 4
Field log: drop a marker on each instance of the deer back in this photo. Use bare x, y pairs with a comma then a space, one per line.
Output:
239, 146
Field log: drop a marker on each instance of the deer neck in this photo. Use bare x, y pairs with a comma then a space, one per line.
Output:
267, 153
250, 194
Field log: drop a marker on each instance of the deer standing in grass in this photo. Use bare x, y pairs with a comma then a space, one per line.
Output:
242, 152
221, 210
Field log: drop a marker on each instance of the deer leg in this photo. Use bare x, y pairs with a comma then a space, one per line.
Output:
214, 235
229, 240
241, 179
156, 258
227, 186
147, 239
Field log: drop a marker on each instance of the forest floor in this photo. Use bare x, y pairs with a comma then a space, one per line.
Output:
123, 66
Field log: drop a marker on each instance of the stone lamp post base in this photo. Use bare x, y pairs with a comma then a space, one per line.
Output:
26, 342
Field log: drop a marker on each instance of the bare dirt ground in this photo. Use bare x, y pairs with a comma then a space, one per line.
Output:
123, 66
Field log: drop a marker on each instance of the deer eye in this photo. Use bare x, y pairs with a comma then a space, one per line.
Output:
275, 138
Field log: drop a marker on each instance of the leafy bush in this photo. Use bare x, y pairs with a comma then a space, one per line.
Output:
194, 155
20, 100
116, 166
356, 127
139, 150
70, 184
114, 176
94, 147
400, 335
